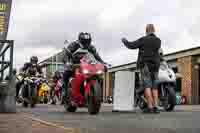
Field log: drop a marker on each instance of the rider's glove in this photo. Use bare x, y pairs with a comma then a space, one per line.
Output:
40, 75
68, 66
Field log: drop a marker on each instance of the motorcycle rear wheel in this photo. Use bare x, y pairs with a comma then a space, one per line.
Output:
25, 94
142, 105
25, 104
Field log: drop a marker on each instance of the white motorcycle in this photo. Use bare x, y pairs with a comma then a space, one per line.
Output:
166, 89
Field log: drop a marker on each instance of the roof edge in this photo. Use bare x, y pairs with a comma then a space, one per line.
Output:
177, 52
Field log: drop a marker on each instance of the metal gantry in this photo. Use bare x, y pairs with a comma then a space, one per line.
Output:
6, 46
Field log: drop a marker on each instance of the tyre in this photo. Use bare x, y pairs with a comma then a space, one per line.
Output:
71, 108
25, 104
46, 100
34, 97
94, 101
53, 101
171, 94
142, 104
93, 105
19, 98
33, 102
25, 94
53, 97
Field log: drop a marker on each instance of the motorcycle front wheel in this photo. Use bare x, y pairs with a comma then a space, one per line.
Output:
25, 95
46, 99
34, 96
171, 99
94, 101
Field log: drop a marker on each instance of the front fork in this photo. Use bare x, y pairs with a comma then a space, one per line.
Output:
163, 95
162, 91
89, 87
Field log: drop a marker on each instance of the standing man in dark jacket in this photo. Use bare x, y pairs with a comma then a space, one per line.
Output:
148, 63
83, 42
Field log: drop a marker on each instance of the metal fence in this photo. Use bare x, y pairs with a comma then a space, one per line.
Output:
6, 47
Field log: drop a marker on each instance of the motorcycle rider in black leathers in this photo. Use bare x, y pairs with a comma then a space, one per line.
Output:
29, 69
84, 42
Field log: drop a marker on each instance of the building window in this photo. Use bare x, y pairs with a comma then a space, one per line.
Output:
60, 68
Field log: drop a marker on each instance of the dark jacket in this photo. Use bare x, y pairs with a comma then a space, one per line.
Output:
148, 46
31, 70
75, 46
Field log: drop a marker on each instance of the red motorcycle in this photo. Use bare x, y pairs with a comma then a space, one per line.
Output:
84, 89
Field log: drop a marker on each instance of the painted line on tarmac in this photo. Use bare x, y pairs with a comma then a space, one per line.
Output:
71, 130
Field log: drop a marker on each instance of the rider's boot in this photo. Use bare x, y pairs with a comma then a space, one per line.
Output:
64, 92
66, 77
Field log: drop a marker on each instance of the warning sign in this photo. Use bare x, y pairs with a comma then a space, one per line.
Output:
5, 8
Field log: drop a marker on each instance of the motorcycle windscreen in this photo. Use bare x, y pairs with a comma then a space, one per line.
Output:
124, 91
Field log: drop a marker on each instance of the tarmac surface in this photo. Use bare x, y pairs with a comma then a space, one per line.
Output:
185, 119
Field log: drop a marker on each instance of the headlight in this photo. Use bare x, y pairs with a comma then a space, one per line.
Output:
20, 77
99, 72
85, 71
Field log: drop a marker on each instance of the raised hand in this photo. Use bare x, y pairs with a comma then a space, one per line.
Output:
124, 40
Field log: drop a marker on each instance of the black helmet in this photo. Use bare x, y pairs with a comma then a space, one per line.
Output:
34, 60
85, 39
57, 74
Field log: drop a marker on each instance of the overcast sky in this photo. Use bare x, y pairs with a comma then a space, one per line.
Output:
39, 27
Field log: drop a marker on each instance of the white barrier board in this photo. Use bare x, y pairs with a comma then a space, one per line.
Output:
124, 91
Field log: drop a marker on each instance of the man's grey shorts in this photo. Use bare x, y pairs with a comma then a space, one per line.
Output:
149, 79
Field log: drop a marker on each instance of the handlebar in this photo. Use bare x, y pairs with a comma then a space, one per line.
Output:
33, 78
76, 65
